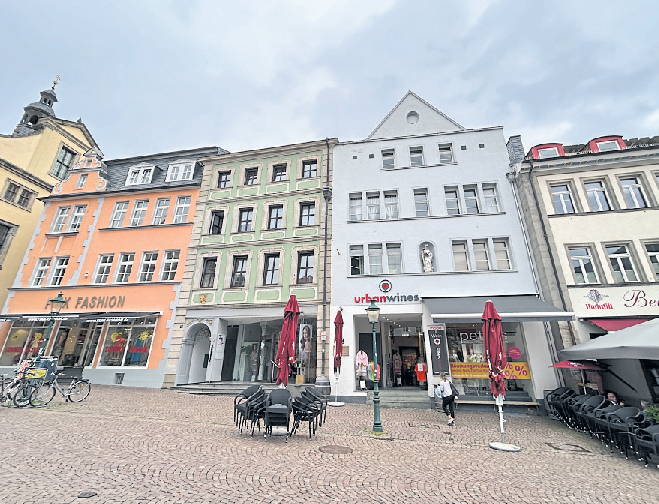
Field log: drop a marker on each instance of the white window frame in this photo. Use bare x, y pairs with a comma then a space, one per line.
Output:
82, 179
388, 159
357, 251
140, 174
148, 266
59, 221
120, 208
619, 259
607, 146
562, 195
181, 209
394, 253
76, 218
480, 248
124, 267
180, 170
424, 193
581, 260
41, 271
355, 201
103, 268
375, 265
456, 191
416, 156
548, 152
505, 249
627, 193
491, 201
473, 199
170, 257
443, 149
597, 194
464, 251
160, 211
139, 212
653, 256
59, 269
391, 206
373, 207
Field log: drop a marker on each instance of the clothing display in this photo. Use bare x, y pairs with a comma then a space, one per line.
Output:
421, 370
361, 362
398, 364
370, 371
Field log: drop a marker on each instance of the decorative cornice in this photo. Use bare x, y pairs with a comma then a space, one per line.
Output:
26, 175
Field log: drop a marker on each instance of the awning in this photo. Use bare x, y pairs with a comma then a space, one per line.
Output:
116, 316
613, 324
510, 308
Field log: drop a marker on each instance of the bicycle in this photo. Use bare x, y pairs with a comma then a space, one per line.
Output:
78, 391
13, 390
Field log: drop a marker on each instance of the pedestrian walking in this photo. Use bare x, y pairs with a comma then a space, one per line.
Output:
445, 392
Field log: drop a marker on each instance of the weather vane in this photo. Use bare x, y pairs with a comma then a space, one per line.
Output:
56, 82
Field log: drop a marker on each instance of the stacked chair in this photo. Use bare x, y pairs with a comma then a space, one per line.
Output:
310, 407
277, 412
622, 427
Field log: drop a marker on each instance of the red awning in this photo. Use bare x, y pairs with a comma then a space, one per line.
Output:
613, 324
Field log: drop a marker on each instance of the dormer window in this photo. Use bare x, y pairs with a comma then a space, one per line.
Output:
608, 145
548, 152
180, 171
139, 175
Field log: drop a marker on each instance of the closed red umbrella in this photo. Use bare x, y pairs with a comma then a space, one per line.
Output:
338, 341
495, 353
286, 347
585, 366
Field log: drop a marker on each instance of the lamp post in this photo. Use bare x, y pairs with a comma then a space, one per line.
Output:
56, 305
373, 317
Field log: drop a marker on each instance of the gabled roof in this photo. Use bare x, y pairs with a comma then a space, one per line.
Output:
438, 122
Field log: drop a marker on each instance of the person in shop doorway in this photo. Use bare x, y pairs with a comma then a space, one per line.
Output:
398, 365
444, 392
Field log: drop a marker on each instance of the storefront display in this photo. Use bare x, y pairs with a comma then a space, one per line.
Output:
128, 343
23, 342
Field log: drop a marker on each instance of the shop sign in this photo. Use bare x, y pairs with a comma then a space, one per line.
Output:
512, 371
323, 335
438, 348
385, 287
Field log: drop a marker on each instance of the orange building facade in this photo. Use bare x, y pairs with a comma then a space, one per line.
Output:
113, 239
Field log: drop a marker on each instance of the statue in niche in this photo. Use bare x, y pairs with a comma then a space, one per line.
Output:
426, 256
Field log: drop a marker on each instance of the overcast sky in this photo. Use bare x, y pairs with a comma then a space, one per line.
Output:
155, 76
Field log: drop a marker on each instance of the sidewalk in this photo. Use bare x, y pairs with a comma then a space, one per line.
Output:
157, 446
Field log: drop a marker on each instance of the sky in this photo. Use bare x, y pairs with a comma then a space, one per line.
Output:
162, 75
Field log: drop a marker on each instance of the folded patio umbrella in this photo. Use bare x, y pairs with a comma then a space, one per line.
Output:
585, 366
286, 348
338, 341
495, 353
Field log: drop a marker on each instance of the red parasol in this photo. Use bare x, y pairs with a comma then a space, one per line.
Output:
495, 353
338, 341
286, 348
585, 366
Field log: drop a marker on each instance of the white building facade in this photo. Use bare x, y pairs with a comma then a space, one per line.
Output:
425, 222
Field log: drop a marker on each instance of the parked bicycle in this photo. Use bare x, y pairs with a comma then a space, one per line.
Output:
13, 390
42, 394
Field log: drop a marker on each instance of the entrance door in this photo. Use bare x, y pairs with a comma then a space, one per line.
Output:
230, 353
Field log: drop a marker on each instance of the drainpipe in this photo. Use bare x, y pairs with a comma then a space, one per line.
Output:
323, 381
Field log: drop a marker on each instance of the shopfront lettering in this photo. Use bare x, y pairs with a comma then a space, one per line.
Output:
138, 349
602, 306
100, 302
398, 298
638, 298
65, 307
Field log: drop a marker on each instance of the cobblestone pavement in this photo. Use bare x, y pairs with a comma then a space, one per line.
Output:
140, 446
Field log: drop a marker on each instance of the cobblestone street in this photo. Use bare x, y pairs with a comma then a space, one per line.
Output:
157, 446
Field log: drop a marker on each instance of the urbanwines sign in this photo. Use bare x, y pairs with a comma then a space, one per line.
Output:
385, 288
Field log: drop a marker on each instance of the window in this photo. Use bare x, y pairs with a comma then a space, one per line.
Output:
239, 271
548, 152
394, 258
76, 218
58, 272
355, 207
388, 160
103, 269
502, 254
25, 198
599, 202
181, 209
491, 199
223, 179
251, 176
583, 266
245, 220
118, 214
608, 145
634, 193
160, 211
275, 218
4, 236
452, 201
62, 163
445, 153
356, 260
128, 343
139, 175
416, 156
621, 262
375, 259
124, 267
11, 191
460, 256
169, 265
305, 267
471, 200
481, 255
562, 199
307, 214
180, 171
43, 265
208, 272
421, 202
271, 269
148, 266
81, 181
61, 215
279, 172
390, 204
653, 252
139, 211
217, 220
373, 206
309, 168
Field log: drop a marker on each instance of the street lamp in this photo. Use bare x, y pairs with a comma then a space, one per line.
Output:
373, 317
56, 305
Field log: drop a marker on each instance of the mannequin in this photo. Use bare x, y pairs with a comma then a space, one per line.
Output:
361, 363
398, 364
421, 370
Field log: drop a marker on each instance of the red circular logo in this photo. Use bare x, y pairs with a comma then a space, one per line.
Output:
385, 285
514, 352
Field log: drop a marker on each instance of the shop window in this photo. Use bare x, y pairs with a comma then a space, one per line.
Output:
124, 267
276, 217
375, 259
181, 209
279, 172
446, 153
391, 204
305, 267
170, 264
61, 216
239, 271
271, 269
245, 220
160, 211
149, 260
217, 221
139, 212
583, 266
76, 218
653, 253
632, 187
223, 179
128, 343
481, 255
58, 271
356, 207
562, 197
118, 214
307, 214
490, 199
460, 256
309, 168
356, 259
251, 176
103, 269
597, 196
23, 342
452, 201
416, 156
421, 202
621, 263
208, 273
